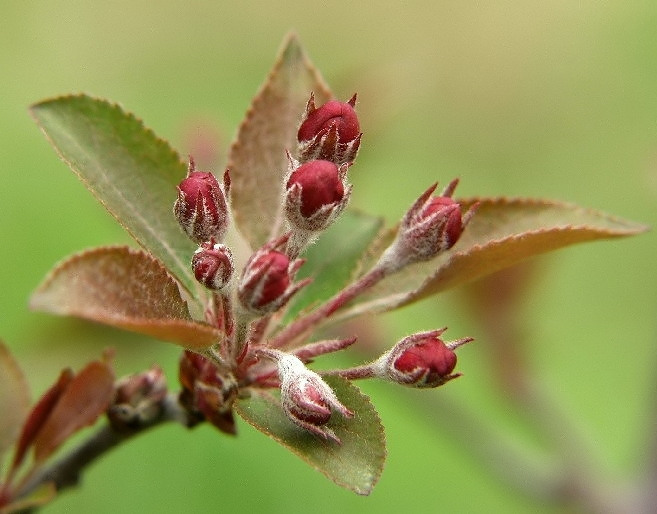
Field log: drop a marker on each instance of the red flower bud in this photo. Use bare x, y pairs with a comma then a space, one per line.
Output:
213, 265
316, 194
306, 399
420, 360
266, 284
206, 392
432, 225
201, 207
330, 132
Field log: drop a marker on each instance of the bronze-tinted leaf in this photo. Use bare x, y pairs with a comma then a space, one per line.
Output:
355, 464
87, 396
39, 415
125, 288
14, 399
502, 233
42, 495
130, 170
257, 159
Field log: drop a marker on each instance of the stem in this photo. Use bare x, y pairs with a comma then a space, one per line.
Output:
66, 472
304, 323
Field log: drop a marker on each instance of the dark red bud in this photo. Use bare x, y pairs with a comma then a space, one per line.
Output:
320, 185
420, 360
340, 115
207, 393
330, 132
269, 282
201, 207
431, 356
213, 265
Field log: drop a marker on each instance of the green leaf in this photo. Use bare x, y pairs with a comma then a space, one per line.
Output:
129, 170
125, 288
356, 464
257, 159
14, 399
502, 233
334, 259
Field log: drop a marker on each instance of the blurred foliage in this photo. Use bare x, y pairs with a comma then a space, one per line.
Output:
551, 99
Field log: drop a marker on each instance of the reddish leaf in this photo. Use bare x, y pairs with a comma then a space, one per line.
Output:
257, 159
87, 396
39, 415
131, 171
502, 233
14, 399
125, 288
42, 495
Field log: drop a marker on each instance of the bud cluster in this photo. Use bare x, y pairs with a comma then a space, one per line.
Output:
245, 311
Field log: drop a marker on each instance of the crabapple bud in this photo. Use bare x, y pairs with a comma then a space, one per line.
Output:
266, 284
207, 392
330, 132
137, 399
306, 399
432, 225
201, 207
316, 193
420, 360
213, 265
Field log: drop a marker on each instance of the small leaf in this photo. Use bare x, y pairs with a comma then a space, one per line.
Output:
87, 396
355, 464
257, 159
133, 173
125, 288
14, 399
502, 233
39, 415
333, 260
42, 495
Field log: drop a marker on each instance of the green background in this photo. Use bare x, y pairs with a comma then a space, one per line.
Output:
521, 98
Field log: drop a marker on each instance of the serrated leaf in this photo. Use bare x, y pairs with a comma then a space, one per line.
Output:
85, 398
14, 399
502, 233
356, 464
125, 288
257, 159
131, 171
333, 260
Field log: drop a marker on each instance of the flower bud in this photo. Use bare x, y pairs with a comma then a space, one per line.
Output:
138, 398
317, 192
266, 284
213, 265
432, 225
420, 360
330, 132
201, 207
206, 392
306, 399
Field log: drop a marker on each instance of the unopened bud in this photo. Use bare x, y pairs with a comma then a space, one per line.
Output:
306, 399
207, 392
330, 132
201, 207
213, 265
420, 360
432, 225
138, 398
317, 192
266, 284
